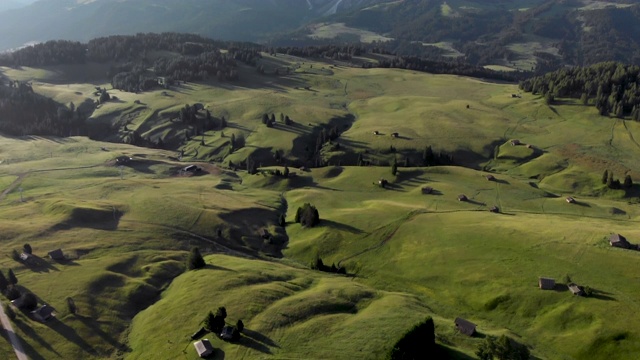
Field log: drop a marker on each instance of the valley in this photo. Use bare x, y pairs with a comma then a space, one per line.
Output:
127, 228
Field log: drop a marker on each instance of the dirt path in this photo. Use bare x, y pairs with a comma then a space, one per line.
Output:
13, 185
13, 338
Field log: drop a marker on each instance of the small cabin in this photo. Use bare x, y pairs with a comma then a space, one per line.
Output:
191, 168
227, 332
617, 240
427, 190
571, 200
203, 348
465, 326
121, 160
383, 183
463, 197
575, 289
494, 209
395, 135
376, 132
56, 254
546, 283
515, 142
44, 313
25, 257
490, 177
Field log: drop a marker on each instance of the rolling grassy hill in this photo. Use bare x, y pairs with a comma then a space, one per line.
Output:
410, 255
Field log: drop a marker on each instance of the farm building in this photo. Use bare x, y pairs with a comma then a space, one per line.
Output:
462, 197
571, 200
494, 209
395, 135
427, 190
376, 132
121, 160
25, 257
203, 348
515, 142
618, 240
44, 313
546, 283
575, 289
490, 177
466, 327
56, 254
383, 183
227, 332
191, 168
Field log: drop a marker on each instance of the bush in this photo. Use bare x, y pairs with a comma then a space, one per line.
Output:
307, 215
29, 302
502, 348
195, 261
12, 293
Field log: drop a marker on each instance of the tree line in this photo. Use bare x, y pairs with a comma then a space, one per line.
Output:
613, 88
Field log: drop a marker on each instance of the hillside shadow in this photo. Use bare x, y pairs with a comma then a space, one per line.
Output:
95, 327
27, 330
338, 226
260, 338
38, 264
215, 267
70, 334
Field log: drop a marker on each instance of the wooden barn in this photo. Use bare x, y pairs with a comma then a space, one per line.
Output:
617, 240
465, 326
546, 283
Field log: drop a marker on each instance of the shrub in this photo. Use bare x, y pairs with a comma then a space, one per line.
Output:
12, 293
307, 215
195, 260
502, 348
29, 301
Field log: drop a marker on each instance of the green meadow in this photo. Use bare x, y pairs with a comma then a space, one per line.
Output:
127, 230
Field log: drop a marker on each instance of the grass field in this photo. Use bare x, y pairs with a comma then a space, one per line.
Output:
127, 231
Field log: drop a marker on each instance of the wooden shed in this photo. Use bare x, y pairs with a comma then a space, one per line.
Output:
620, 241
203, 348
490, 177
462, 197
427, 190
465, 326
44, 313
56, 254
495, 209
546, 283
575, 289
570, 200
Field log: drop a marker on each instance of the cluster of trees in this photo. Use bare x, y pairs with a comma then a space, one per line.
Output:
215, 322
330, 51
454, 67
613, 88
417, 343
502, 348
10, 290
320, 266
307, 215
607, 178
24, 112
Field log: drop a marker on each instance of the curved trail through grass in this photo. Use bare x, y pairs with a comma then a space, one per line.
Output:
13, 338
630, 133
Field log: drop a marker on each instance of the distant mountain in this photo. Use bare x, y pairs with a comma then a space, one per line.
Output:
14, 4
516, 34
252, 20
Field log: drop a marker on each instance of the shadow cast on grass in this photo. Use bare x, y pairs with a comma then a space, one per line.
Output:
215, 267
70, 334
338, 226
253, 344
25, 328
95, 327
260, 338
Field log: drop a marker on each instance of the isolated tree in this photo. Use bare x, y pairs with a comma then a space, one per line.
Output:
209, 321
605, 176
281, 117
12, 293
428, 157
4, 283
71, 305
307, 215
195, 260
29, 301
628, 183
610, 180
13, 280
27, 249
265, 118
240, 325
394, 167
221, 312
233, 142
285, 172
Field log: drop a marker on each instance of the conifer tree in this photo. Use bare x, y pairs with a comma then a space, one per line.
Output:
195, 260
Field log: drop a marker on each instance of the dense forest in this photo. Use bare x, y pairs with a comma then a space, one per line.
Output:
191, 57
613, 88
23, 112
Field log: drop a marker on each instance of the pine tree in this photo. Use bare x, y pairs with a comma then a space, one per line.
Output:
282, 221
27, 249
285, 173
394, 167
13, 280
195, 260
209, 321
240, 325
610, 181
628, 183
605, 177
221, 312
